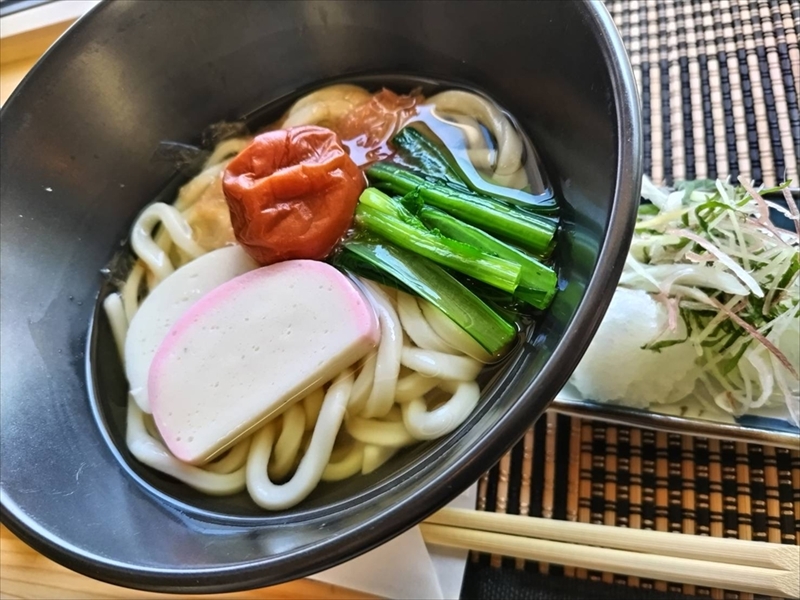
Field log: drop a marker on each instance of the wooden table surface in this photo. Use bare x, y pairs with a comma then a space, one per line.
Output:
24, 573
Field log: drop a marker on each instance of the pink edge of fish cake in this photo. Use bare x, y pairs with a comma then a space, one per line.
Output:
175, 387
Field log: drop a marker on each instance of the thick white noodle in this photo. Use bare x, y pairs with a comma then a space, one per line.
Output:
213, 167
226, 149
285, 452
395, 415
146, 248
325, 105
414, 385
363, 385
277, 497
152, 453
312, 405
379, 433
415, 325
347, 466
315, 114
387, 368
509, 169
130, 291
194, 188
429, 425
115, 311
480, 155
233, 460
452, 334
439, 364
151, 429
375, 456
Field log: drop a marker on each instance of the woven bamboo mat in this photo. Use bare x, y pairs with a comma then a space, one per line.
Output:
719, 86
719, 89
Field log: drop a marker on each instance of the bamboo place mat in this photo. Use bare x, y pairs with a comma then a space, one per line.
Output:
719, 93
718, 83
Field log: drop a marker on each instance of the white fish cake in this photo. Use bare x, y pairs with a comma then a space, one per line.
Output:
167, 302
250, 347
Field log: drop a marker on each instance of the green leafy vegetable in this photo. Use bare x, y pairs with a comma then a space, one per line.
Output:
437, 286
417, 153
461, 257
537, 283
533, 232
448, 147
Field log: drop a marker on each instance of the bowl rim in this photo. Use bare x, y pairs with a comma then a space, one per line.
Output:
371, 533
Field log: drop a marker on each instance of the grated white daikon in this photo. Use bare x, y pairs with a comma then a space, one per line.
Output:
616, 369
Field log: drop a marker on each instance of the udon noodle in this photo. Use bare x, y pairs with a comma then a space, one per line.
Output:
418, 385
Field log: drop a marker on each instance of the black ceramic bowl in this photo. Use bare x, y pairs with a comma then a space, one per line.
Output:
76, 161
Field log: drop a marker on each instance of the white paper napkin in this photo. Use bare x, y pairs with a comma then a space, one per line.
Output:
405, 567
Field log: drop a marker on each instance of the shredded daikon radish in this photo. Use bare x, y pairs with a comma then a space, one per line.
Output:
710, 249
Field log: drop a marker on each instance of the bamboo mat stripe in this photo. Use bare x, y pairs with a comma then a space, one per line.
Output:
581, 470
718, 82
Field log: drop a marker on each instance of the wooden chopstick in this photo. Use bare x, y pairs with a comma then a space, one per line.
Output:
724, 550
654, 559
755, 580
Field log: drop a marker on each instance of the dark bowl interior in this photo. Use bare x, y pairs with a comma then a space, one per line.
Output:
77, 164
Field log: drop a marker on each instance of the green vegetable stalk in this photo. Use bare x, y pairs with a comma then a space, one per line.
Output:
417, 153
434, 153
537, 284
458, 256
525, 229
431, 282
